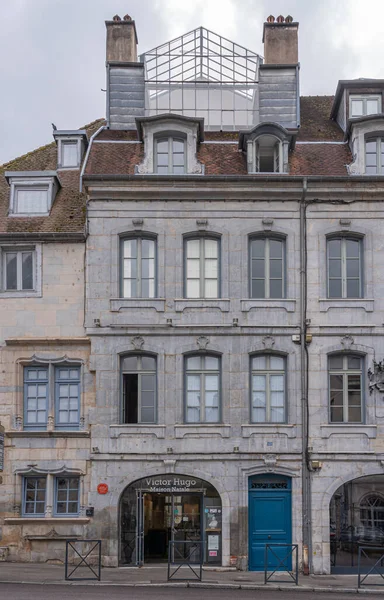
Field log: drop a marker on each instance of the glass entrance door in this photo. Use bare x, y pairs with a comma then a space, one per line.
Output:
187, 527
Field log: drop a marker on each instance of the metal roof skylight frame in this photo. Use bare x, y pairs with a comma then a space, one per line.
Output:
202, 60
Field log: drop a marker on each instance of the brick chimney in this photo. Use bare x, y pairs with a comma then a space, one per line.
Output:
280, 38
121, 40
125, 75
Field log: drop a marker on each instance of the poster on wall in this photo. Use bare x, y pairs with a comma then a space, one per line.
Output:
213, 518
213, 543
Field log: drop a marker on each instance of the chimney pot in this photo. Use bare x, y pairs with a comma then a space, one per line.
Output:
289, 19
127, 18
121, 40
116, 18
280, 19
271, 19
281, 41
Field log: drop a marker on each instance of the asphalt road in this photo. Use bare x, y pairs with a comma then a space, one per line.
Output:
10, 591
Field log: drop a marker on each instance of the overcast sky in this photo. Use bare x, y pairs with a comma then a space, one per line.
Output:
53, 51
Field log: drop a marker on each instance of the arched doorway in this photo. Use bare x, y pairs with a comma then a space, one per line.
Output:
169, 508
356, 519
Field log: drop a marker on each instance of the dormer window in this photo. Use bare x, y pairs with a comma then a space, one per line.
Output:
374, 155
170, 145
361, 106
267, 146
71, 145
32, 192
170, 155
267, 154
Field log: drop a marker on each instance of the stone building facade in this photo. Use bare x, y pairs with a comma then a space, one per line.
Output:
218, 306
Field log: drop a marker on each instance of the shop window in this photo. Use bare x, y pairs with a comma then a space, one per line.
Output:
139, 389
268, 389
202, 383
345, 388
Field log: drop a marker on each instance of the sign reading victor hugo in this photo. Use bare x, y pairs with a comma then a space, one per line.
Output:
170, 483
1, 448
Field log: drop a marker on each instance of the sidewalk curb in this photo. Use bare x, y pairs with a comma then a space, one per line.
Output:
207, 585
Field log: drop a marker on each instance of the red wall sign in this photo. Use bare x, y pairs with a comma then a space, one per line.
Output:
102, 488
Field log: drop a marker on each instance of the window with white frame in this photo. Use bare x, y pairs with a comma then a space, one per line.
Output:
138, 268
202, 267
70, 153
360, 106
344, 257
372, 511
18, 269
170, 155
38, 400
202, 389
138, 372
268, 389
32, 193
66, 495
31, 200
267, 267
268, 150
345, 388
374, 155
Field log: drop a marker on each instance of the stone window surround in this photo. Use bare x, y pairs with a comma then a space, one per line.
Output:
202, 353
169, 125
270, 353
37, 267
138, 371
358, 130
367, 301
50, 363
248, 143
21, 180
201, 235
51, 474
137, 235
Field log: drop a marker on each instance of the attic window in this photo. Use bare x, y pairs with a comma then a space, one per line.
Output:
32, 192
361, 106
268, 154
31, 200
69, 154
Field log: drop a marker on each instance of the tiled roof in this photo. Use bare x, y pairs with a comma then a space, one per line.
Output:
320, 159
316, 124
68, 211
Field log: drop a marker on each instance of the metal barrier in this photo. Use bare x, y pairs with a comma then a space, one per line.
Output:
374, 569
69, 544
282, 562
185, 554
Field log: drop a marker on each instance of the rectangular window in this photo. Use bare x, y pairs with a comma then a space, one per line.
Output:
31, 201
67, 390
345, 389
34, 496
374, 156
170, 156
344, 268
69, 154
35, 397
268, 389
138, 268
361, 106
202, 389
202, 268
139, 389
67, 492
18, 268
267, 266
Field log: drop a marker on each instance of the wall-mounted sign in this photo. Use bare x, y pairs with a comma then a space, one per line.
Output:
102, 488
170, 483
1, 448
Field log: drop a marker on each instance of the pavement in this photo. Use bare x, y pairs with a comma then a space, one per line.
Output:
156, 576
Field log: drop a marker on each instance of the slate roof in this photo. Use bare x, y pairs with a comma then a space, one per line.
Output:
68, 212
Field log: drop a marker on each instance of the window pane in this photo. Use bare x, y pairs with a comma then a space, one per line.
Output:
335, 288
162, 145
354, 415
334, 267
354, 384
211, 288
259, 383
193, 268
353, 267
178, 160
258, 415
211, 383
258, 288
211, 248
258, 248
336, 382
11, 268
129, 288
194, 362
258, 268
162, 170
336, 398
162, 160
148, 248
353, 248
211, 363
148, 268
129, 363
336, 414
210, 270
212, 414
277, 414
277, 363
259, 399
178, 145
276, 383
354, 363
193, 383
193, 248
193, 288
31, 201
130, 248
334, 248
276, 288
148, 363
275, 248
27, 271
372, 107
259, 362
177, 170
69, 157
276, 268
356, 108
353, 288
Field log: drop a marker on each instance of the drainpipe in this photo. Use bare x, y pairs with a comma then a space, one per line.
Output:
87, 155
306, 477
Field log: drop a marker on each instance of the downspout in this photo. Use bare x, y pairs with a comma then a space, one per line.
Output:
306, 476
87, 155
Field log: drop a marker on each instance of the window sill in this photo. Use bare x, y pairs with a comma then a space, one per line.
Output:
195, 430
248, 431
222, 304
47, 434
56, 520
118, 304
249, 304
21, 294
327, 303
348, 429
117, 431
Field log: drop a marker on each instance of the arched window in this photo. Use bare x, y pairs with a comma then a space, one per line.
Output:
202, 267
268, 389
372, 511
345, 388
138, 267
202, 388
268, 154
138, 373
344, 263
170, 156
267, 267
374, 155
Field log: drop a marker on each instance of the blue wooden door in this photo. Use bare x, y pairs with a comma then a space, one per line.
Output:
270, 521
